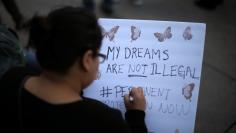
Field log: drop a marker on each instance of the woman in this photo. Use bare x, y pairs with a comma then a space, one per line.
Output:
68, 52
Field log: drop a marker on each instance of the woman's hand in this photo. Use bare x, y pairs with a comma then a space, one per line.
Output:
135, 100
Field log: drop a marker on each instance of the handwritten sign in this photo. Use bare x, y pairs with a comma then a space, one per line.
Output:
164, 58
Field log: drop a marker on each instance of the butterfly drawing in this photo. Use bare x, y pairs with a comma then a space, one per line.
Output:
110, 34
187, 33
163, 36
135, 33
187, 91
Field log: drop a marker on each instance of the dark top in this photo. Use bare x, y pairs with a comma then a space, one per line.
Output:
85, 116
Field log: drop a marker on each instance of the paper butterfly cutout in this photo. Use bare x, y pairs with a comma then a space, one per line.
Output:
187, 33
110, 34
163, 36
177, 131
187, 91
135, 33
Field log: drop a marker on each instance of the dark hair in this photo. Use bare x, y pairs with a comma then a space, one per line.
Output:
64, 36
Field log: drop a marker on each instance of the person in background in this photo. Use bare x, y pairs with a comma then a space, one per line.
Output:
135, 2
106, 6
30, 50
13, 9
208, 4
11, 51
67, 50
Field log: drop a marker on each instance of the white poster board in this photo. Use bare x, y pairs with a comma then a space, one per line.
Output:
163, 57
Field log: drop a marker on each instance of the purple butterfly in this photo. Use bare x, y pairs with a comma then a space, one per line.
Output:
110, 34
187, 33
135, 33
163, 36
187, 91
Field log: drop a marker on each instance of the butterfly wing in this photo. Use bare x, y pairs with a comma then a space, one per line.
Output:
159, 36
167, 33
137, 32
104, 33
187, 33
132, 29
112, 32
191, 86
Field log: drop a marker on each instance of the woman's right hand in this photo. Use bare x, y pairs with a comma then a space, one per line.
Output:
135, 100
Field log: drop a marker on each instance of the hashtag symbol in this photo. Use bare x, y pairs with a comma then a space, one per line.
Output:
105, 92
